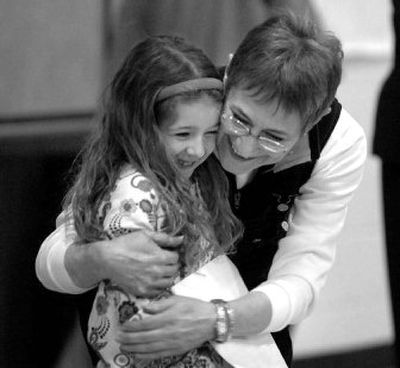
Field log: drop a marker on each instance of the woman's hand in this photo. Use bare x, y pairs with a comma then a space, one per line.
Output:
143, 262
178, 324
174, 326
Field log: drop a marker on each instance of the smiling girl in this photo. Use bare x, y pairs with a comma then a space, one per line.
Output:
149, 167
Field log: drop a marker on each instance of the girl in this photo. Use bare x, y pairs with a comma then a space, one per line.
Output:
148, 167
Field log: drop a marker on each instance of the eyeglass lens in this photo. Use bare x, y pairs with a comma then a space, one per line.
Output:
238, 128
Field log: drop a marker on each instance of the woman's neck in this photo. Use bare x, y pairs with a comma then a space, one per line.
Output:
243, 179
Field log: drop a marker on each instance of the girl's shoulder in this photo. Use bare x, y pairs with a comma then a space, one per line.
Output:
134, 182
132, 189
132, 204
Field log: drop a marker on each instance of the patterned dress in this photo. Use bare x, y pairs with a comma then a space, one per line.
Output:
132, 206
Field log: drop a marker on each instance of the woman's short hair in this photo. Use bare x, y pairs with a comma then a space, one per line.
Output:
290, 60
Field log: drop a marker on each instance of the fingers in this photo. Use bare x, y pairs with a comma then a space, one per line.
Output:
153, 290
151, 351
129, 337
169, 270
158, 306
149, 345
164, 240
158, 354
170, 257
153, 344
162, 284
151, 282
136, 331
162, 277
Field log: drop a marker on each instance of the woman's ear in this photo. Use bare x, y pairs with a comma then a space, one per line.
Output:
323, 113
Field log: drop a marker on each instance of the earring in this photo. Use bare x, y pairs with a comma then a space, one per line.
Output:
230, 57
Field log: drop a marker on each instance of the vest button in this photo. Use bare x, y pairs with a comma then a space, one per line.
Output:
257, 240
285, 225
282, 207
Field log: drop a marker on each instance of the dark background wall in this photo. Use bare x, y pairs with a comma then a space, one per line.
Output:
50, 64
55, 57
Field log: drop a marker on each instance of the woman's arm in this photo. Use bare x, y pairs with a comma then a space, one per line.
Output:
50, 267
179, 324
141, 261
307, 253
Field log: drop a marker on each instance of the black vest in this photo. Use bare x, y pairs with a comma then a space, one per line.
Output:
263, 206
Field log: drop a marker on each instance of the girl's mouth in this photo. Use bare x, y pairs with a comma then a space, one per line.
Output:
186, 164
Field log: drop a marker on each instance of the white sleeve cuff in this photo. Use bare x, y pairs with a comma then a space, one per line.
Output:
50, 267
280, 304
291, 299
58, 273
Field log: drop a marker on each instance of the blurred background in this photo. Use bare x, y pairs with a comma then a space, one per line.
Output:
56, 57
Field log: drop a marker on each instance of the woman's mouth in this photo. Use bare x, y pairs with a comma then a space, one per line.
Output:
234, 151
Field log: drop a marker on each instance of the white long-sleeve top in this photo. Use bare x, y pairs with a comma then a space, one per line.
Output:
304, 256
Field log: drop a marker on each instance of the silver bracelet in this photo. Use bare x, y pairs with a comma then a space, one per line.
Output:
225, 320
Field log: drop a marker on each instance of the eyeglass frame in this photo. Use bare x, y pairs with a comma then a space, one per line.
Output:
246, 131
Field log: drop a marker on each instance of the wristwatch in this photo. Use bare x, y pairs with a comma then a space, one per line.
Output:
224, 322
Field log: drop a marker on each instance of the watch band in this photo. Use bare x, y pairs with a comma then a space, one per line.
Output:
224, 322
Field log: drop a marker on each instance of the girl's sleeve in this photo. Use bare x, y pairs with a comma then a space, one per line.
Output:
131, 206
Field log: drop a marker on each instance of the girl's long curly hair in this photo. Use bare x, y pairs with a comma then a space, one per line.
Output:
129, 133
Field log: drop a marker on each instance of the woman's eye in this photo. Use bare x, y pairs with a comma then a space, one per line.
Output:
273, 137
237, 120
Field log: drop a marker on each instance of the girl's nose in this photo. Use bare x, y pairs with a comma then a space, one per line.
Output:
197, 148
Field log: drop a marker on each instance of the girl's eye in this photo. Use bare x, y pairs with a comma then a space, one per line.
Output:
214, 132
182, 135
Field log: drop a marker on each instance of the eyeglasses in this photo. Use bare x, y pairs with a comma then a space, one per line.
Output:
234, 126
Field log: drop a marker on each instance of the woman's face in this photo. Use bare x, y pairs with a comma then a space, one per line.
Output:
254, 134
190, 136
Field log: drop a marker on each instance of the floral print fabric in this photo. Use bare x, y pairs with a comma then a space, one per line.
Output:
130, 207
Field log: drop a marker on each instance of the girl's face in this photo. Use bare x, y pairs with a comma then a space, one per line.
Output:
190, 136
